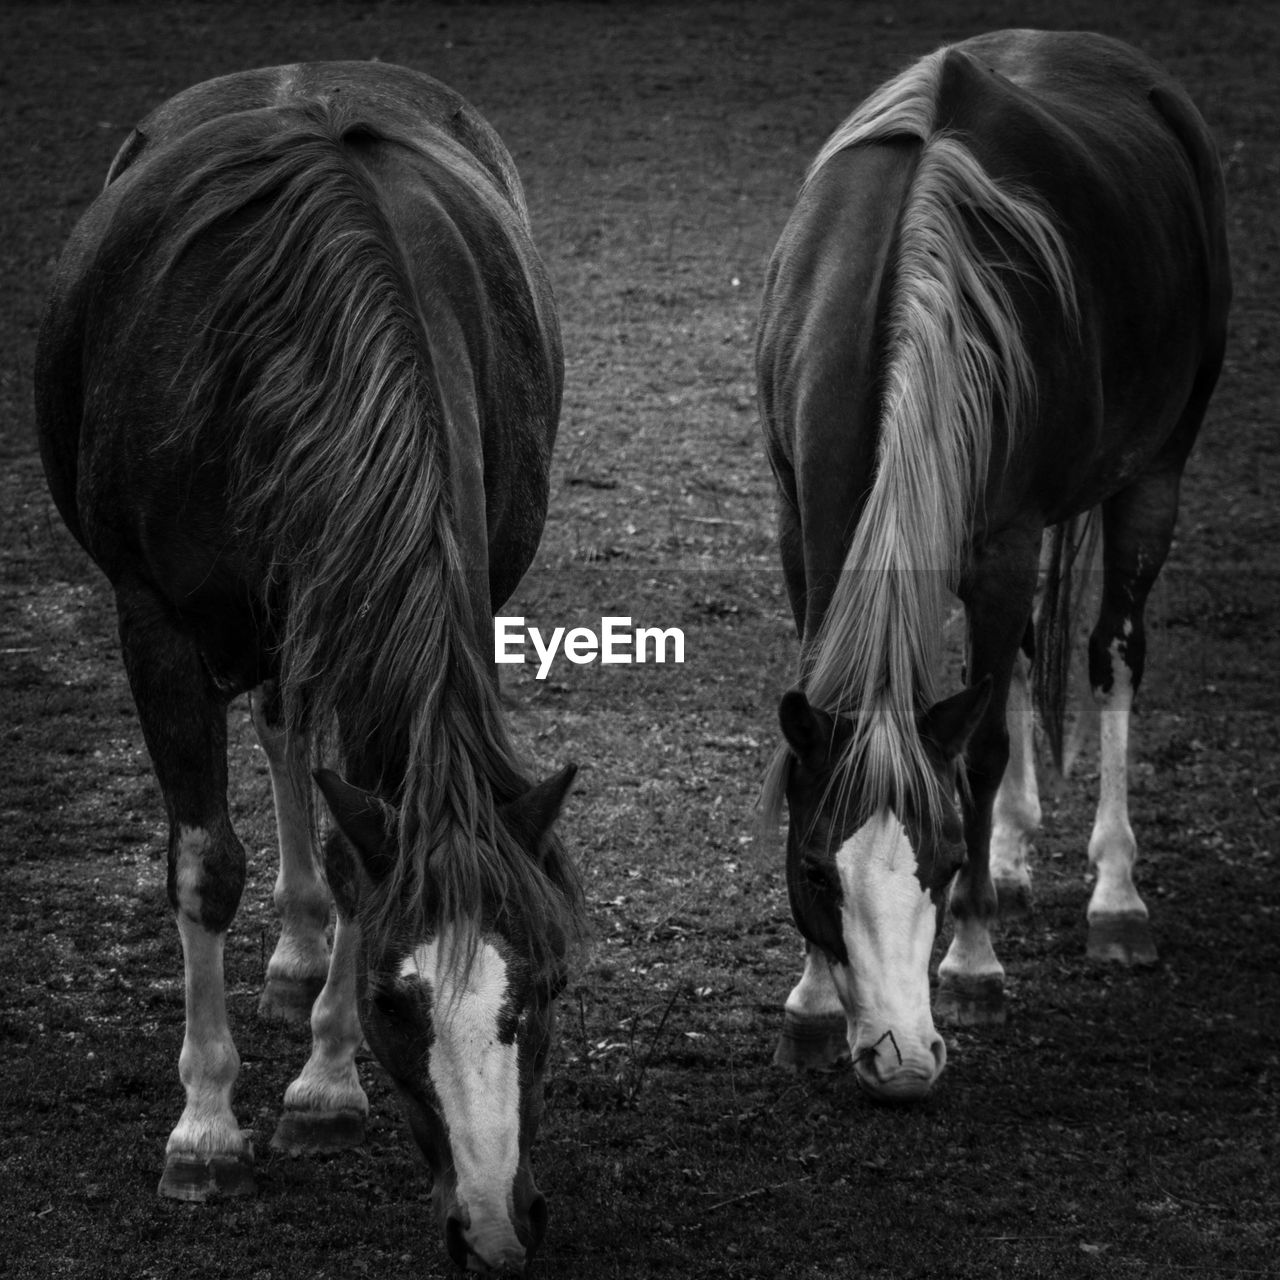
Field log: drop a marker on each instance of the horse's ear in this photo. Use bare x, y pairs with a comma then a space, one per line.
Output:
947, 725
808, 731
369, 827
128, 152
531, 816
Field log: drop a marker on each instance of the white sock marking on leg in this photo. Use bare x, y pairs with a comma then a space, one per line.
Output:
330, 1080
1112, 848
209, 1063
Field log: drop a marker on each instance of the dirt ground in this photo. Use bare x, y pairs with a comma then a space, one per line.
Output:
1120, 1124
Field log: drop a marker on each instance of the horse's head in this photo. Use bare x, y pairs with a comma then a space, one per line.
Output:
462, 1021
866, 884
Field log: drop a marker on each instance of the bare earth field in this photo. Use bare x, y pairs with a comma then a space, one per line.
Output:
1120, 1125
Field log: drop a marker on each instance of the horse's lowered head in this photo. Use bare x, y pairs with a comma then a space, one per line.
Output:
866, 882
461, 1018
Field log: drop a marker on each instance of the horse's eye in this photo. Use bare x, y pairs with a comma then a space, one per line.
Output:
386, 1002
819, 876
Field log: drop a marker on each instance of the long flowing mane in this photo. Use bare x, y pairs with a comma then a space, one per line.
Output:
315, 371
953, 360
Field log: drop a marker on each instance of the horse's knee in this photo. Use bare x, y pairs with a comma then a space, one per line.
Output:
986, 757
267, 711
206, 874
973, 895
1117, 647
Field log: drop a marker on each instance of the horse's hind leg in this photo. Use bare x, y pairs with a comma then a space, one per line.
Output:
1137, 530
184, 722
297, 968
1016, 814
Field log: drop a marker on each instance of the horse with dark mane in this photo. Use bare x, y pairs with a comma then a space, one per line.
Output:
999, 306
297, 389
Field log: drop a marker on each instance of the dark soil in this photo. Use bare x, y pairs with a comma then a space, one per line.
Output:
1121, 1124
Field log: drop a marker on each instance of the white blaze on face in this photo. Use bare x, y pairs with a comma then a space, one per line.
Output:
477, 1080
888, 922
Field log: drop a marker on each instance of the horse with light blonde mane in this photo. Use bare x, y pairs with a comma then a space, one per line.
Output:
998, 307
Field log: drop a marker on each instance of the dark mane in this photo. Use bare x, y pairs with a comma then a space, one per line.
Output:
314, 380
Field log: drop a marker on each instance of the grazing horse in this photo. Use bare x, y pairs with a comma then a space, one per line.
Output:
999, 304
297, 388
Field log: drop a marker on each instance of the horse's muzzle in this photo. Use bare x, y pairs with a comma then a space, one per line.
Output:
496, 1247
888, 1075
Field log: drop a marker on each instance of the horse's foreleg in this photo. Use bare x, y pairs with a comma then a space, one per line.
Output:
1137, 531
298, 965
998, 596
185, 726
325, 1107
206, 1155
1016, 814
815, 1031
970, 976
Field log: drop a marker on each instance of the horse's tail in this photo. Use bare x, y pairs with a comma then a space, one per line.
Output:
954, 361
1068, 563
312, 348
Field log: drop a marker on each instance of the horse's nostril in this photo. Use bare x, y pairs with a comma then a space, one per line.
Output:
537, 1220
456, 1241
939, 1050
868, 1069
481, 1249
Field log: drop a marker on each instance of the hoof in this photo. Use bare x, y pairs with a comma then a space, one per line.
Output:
303, 1133
970, 1002
289, 1000
812, 1044
1121, 939
1013, 898
194, 1177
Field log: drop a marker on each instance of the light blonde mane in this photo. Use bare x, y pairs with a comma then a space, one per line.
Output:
313, 364
955, 361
